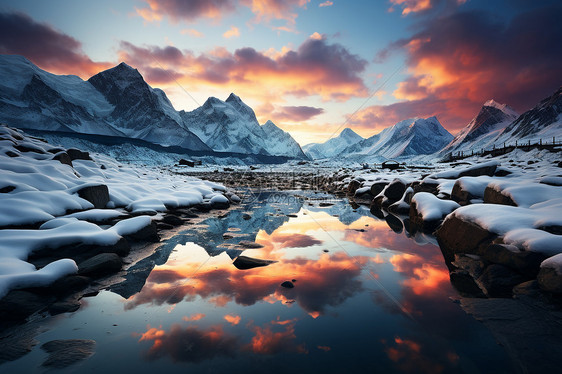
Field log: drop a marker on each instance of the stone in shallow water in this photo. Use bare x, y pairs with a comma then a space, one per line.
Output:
244, 262
249, 244
63, 353
287, 284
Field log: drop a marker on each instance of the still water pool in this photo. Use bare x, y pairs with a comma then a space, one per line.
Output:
365, 298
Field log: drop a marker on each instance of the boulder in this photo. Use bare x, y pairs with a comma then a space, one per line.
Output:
465, 284
102, 264
187, 163
244, 262
63, 158
426, 185
249, 244
288, 284
394, 223
456, 235
550, 280
377, 187
76, 154
173, 220
97, 195
460, 195
498, 281
525, 262
148, 233
63, 307
353, 186
395, 190
492, 196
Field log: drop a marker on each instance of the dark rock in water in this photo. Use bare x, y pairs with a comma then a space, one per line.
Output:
148, 233
465, 284
76, 154
394, 223
63, 307
20, 304
292, 215
63, 158
498, 281
164, 226
458, 236
187, 213
353, 186
395, 190
173, 220
63, 353
204, 207
244, 262
102, 264
324, 204
97, 195
187, 163
246, 217
17, 340
69, 284
549, 280
287, 284
377, 187
7, 189
525, 262
376, 211
492, 196
220, 205
249, 244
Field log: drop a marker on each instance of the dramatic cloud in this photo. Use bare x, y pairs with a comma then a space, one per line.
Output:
267, 10
191, 10
314, 68
233, 32
46, 47
266, 341
296, 113
189, 344
421, 6
232, 319
194, 317
465, 59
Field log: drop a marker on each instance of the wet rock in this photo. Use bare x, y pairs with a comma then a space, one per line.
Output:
249, 244
492, 196
377, 187
246, 217
244, 262
395, 190
63, 158
173, 220
164, 226
69, 284
498, 281
148, 233
394, 223
64, 353
376, 211
525, 262
64, 307
465, 284
550, 280
287, 284
470, 263
353, 186
7, 189
529, 288
185, 162
187, 213
203, 207
102, 264
76, 154
456, 235
20, 304
97, 195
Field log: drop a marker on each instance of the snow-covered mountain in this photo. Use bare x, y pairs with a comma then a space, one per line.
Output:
482, 130
542, 122
411, 137
333, 146
232, 126
118, 102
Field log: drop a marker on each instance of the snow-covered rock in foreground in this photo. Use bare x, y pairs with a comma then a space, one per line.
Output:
38, 186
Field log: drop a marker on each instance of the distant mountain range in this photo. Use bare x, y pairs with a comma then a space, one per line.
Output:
118, 102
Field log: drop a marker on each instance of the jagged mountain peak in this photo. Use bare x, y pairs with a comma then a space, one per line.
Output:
348, 133
233, 98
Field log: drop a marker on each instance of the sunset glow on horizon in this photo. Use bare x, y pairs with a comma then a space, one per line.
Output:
313, 67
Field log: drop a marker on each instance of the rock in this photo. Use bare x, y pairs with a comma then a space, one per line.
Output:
549, 280
376, 211
7, 189
465, 284
203, 207
63, 158
426, 185
458, 236
246, 216
102, 264
498, 281
395, 190
164, 226
244, 262
97, 195
470, 263
353, 186
28, 148
64, 307
76, 154
148, 233
500, 172
173, 220
530, 288
492, 196
394, 223
377, 187
287, 284
478, 170
460, 195
187, 163
249, 244
525, 262
20, 304
69, 284
64, 353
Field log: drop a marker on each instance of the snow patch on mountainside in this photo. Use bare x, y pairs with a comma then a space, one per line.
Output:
333, 146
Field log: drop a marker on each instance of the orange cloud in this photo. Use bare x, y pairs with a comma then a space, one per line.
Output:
232, 319
193, 32
267, 10
233, 32
267, 342
194, 317
191, 10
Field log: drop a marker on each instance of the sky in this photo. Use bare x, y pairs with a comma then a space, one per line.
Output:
313, 67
